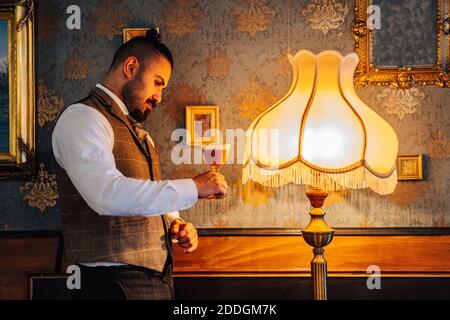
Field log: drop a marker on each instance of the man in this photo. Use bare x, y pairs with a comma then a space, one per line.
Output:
117, 214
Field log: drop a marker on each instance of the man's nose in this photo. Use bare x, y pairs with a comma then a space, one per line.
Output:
157, 97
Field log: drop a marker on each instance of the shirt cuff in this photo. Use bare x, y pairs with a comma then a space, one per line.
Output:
172, 216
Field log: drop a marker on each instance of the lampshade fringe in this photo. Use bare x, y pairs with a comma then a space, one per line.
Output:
299, 173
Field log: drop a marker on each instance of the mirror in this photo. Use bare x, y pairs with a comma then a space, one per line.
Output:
402, 43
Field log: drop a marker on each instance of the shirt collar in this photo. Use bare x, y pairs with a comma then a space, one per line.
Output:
116, 99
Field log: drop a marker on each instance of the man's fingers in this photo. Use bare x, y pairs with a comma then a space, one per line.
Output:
221, 189
184, 230
190, 240
189, 237
219, 179
184, 240
175, 228
189, 245
186, 245
210, 183
192, 248
223, 182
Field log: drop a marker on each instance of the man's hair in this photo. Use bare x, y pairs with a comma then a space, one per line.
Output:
144, 48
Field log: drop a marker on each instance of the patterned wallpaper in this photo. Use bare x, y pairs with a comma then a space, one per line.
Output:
231, 54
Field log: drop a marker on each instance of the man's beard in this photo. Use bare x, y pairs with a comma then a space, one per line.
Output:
133, 100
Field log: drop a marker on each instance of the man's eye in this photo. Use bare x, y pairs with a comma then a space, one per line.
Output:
158, 83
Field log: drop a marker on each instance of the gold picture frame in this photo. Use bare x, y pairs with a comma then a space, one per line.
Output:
396, 75
202, 125
409, 167
17, 99
130, 33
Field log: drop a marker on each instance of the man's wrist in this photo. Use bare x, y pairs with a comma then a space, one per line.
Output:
175, 221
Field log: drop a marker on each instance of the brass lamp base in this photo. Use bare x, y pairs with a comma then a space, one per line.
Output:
318, 234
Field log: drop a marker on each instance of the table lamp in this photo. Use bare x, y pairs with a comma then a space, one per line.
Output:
327, 139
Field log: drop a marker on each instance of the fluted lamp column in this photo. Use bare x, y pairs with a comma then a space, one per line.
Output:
322, 135
318, 234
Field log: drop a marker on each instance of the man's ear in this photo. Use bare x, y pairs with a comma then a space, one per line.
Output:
130, 67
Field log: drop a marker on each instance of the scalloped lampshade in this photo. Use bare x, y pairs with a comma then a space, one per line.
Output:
321, 134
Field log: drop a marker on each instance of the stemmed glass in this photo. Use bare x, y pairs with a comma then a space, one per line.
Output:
215, 155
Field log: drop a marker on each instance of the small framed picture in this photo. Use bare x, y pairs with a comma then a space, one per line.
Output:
409, 167
202, 124
130, 33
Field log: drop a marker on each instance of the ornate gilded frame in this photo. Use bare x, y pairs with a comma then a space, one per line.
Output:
409, 167
130, 33
401, 77
18, 162
191, 113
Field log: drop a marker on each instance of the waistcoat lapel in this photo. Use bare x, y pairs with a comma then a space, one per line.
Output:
115, 110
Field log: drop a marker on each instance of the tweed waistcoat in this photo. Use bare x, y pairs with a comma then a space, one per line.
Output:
90, 237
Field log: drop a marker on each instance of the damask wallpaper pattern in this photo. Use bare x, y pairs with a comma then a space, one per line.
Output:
232, 54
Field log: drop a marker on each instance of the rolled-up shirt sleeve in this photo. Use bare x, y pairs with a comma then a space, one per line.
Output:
82, 144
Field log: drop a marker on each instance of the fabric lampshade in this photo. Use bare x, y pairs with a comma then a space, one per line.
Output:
320, 133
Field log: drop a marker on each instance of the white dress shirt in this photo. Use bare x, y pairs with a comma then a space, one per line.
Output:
82, 142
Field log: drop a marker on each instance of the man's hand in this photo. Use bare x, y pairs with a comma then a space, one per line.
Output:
185, 233
210, 183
